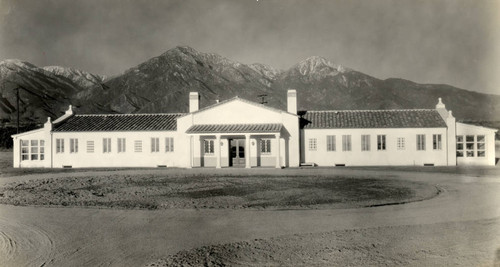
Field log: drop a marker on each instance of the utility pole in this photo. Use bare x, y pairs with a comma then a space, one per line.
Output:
17, 94
18, 102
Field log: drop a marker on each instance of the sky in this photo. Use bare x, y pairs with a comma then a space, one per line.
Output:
454, 42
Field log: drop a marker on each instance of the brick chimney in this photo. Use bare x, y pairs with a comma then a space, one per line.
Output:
291, 101
194, 102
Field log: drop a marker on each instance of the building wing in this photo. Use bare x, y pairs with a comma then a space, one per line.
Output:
119, 122
355, 119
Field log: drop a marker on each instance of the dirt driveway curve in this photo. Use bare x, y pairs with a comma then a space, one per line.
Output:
36, 236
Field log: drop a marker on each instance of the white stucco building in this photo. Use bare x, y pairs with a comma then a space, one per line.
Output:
241, 133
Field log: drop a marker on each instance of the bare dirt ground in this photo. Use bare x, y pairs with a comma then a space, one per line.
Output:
219, 191
461, 226
408, 245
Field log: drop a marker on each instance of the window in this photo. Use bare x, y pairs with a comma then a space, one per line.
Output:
381, 142
401, 143
34, 149
155, 144
436, 142
106, 145
42, 149
121, 145
59, 145
365, 142
73, 145
346, 143
265, 146
481, 146
90, 146
138, 146
469, 145
420, 141
169, 144
208, 146
330, 143
25, 150
460, 145
313, 144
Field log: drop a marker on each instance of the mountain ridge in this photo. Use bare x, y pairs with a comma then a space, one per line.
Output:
162, 83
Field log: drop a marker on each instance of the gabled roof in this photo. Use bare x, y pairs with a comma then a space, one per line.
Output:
119, 122
345, 119
243, 100
235, 128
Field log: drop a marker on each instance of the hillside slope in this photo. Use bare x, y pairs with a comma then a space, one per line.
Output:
162, 84
47, 91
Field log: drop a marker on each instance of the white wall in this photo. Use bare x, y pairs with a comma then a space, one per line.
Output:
39, 134
489, 159
373, 157
241, 112
129, 158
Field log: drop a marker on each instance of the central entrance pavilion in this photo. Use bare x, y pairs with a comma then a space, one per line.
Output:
236, 145
240, 133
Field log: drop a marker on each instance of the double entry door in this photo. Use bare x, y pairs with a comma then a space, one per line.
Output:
237, 151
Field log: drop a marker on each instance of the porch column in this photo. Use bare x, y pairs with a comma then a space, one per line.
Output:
247, 151
217, 150
191, 156
278, 151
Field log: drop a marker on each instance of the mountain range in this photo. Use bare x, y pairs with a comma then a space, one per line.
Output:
162, 84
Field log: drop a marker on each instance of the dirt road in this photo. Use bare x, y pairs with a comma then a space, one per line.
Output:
98, 237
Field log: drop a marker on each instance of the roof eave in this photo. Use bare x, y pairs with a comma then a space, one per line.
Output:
28, 132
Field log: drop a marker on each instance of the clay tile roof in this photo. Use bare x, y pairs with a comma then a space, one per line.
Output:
119, 122
236, 128
407, 118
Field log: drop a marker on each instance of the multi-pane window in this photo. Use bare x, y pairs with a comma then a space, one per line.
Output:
330, 143
481, 146
138, 146
42, 149
469, 145
59, 145
313, 144
121, 145
436, 142
106, 145
265, 146
169, 144
346, 142
420, 141
155, 144
90, 146
25, 150
34, 149
460, 145
365, 142
381, 142
73, 145
208, 146
401, 143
